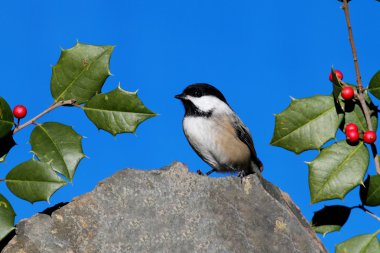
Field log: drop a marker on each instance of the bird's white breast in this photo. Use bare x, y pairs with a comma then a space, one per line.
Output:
215, 140
202, 133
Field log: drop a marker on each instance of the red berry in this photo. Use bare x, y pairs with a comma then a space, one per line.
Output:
369, 137
338, 74
351, 127
352, 136
19, 111
347, 93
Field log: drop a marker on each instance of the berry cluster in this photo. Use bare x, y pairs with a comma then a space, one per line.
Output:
352, 130
353, 135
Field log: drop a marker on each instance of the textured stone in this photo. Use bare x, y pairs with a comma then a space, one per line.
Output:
171, 210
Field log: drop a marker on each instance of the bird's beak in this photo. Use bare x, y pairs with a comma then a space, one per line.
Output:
179, 96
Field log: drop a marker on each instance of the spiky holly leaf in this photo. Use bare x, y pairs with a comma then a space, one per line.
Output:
306, 124
366, 243
337, 170
118, 111
80, 72
59, 145
370, 192
6, 118
7, 217
33, 181
337, 84
6, 144
374, 85
354, 114
330, 219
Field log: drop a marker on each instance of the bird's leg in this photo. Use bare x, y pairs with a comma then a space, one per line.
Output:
242, 174
211, 171
208, 173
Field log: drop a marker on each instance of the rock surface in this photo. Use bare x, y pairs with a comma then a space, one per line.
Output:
171, 210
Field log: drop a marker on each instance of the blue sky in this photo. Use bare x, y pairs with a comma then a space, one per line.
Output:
258, 53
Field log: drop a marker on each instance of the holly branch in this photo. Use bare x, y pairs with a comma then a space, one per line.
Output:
77, 80
310, 123
49, 109
360, 95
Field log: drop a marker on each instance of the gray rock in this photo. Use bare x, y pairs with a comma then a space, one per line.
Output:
171, 210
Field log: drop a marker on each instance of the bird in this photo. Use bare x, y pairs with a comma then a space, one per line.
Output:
216, 133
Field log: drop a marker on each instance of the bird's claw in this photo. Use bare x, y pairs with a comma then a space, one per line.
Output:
200, 173
241, 175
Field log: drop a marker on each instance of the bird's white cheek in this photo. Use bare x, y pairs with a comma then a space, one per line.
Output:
207, 103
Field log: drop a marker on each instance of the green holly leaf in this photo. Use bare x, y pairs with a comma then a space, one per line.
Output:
118, 111
330, 219
337, 84
354, 114
337, 170
6, 118
368, 100
306, 124
366, 243
33, 181
374, 85
370, 192
59, 145
80, 72
7, 217
6, 144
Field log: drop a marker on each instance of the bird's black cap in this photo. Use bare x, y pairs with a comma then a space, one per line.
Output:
201, 89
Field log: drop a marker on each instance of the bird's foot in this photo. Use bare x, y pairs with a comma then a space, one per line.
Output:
207, 174
241, 175
200, 173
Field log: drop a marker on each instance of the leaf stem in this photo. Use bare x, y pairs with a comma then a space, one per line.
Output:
360, 95
367, 211
50, 108
79, 106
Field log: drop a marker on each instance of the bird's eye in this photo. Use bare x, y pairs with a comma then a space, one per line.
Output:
197, 93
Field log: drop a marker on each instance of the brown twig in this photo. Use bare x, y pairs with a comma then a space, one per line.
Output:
50, 108
360, 95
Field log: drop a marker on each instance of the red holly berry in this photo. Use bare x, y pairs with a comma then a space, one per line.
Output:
338, 74
369, 137
352, 136
347, 93
351, 127
19, 111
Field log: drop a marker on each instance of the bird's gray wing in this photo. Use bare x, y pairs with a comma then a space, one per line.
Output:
243, 133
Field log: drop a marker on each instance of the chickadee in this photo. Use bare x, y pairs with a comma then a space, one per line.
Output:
216, 133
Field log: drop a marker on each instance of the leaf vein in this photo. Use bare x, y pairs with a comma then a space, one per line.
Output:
80, 74
307, 123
